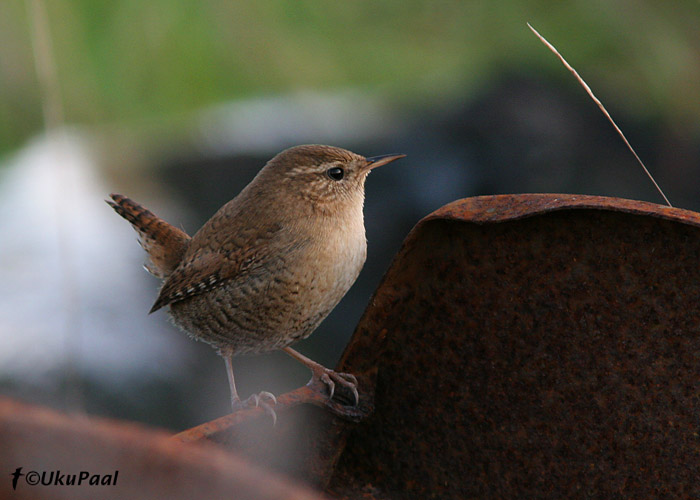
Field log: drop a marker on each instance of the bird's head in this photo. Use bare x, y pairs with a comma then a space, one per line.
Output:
323, 175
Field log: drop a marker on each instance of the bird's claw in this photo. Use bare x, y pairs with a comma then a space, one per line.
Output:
330, 378
258, 401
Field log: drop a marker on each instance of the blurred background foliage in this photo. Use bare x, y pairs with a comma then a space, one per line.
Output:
178, 103
131, 62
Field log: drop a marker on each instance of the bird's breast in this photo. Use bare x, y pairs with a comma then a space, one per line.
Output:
338, 256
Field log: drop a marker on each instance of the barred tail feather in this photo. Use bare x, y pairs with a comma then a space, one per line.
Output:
164, 243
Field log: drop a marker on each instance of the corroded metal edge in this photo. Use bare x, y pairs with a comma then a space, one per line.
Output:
303, 395
506, 207
365, 348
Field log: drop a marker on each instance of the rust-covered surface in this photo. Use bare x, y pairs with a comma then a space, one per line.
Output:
533, 346
148, 464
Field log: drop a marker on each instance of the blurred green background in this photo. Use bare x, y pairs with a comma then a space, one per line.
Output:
164, 100
134, 63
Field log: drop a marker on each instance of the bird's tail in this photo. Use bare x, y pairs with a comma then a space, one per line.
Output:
164, 243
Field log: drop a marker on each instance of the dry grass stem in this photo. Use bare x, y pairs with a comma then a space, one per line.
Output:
602, 108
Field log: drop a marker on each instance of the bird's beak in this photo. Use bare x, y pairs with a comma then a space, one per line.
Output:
378, 161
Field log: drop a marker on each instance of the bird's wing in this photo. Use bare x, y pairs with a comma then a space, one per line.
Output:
205, 269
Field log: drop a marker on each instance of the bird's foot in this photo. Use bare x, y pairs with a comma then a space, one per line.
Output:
325, 377
258, 401
330, 378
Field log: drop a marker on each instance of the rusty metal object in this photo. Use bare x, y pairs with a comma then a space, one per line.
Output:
305, 442
149, 463
309, 394
533, 346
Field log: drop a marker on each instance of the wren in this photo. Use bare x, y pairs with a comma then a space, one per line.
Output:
271, 264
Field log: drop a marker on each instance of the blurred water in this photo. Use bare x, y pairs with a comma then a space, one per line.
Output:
69, 273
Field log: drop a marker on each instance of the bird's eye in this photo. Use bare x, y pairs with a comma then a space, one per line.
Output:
335, 173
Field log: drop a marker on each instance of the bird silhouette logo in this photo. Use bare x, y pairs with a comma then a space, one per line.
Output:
15, 476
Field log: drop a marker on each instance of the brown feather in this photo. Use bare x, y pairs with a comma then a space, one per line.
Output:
164, 243
204, 269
